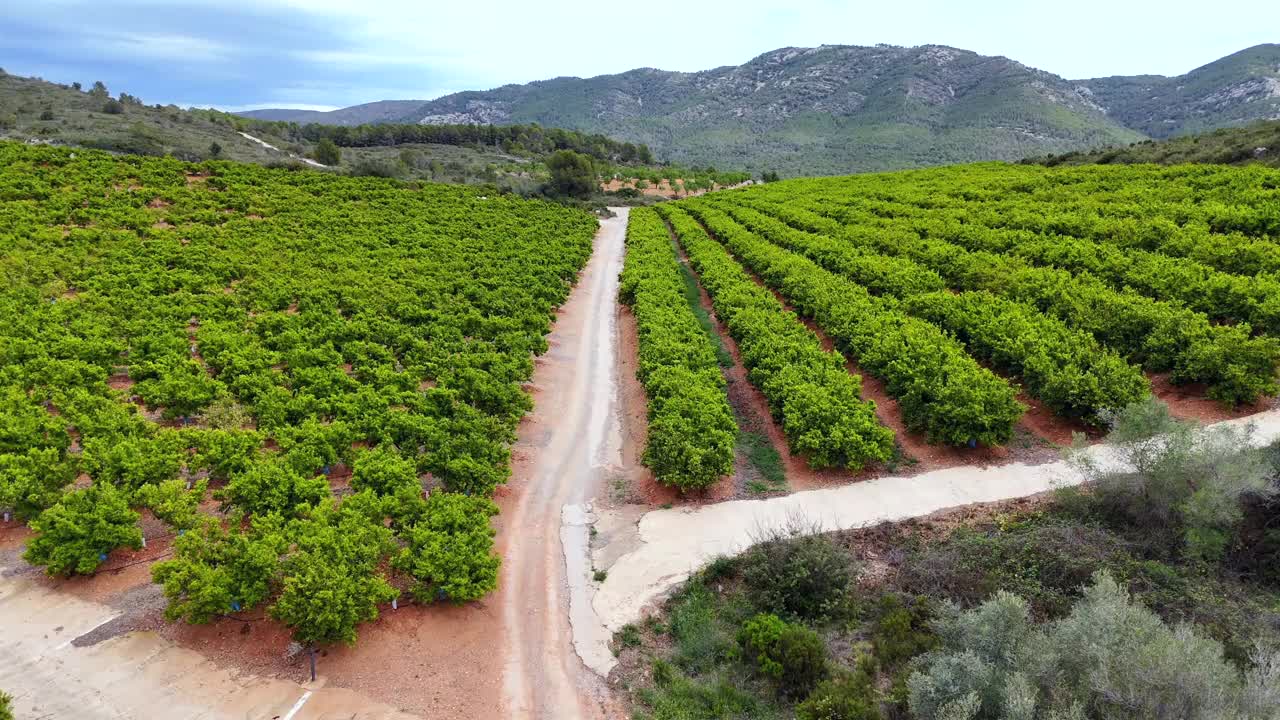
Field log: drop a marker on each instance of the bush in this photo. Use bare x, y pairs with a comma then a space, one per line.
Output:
327, 153
572, 174
1194, 479
273, 486
383, 471
795, 572
75, 535
847, 696
1109, 654
792, 656
6, 700
113, 107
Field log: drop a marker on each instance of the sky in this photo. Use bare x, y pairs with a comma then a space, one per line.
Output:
321, 54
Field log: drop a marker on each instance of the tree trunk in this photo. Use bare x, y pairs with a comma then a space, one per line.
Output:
312, 652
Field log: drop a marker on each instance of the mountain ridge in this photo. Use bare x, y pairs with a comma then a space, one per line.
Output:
843, 108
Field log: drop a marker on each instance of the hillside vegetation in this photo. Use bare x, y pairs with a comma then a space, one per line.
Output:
510, 157
1235, 90
806, 111
840, 109
1128, 598
1255, 143
337, 362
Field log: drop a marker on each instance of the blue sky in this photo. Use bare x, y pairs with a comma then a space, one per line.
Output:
331, 53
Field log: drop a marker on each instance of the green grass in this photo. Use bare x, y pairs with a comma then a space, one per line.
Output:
764, 457
693, 296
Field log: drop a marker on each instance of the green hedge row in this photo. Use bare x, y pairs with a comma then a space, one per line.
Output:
691, 427
810, 392
1067, 369
941, 390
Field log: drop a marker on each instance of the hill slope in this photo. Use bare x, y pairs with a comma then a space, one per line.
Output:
1237, 89
829, 109
1255, 143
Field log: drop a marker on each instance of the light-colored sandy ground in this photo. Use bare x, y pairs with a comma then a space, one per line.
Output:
667, 545
140, 675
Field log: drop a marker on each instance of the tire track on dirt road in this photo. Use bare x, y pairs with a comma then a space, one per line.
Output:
571, 438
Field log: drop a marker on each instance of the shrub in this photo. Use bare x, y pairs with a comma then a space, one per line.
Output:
327, 153
75, 534
900, 630
1193, 478
792, 656
383, 471
847, 696
172, 502
1109, 654
113, 107
273, 486
796, 572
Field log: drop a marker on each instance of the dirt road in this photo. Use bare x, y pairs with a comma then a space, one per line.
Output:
567, 447
665, 546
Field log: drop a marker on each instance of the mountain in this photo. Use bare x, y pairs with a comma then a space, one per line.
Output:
823, 110
384, 111
1235, 90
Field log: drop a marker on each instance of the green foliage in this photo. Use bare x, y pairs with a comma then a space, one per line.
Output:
333, 582
942, 392
6, 706
797, 572
216, 569
849, 695
791, 656
75, 534
702, 639
134, 462
572, 174
1224, 146
1191, 477
809, 391
1077, 245
1109, 655
33, 481
173, 502
900, 631
450, 547
691, 427
384, 471
273, 487
327, 153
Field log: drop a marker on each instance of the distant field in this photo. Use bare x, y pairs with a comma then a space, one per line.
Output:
973, 292
282, 339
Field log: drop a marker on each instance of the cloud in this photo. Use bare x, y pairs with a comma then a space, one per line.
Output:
241, 53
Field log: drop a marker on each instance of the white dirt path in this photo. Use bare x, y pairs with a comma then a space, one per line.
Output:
668, 545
